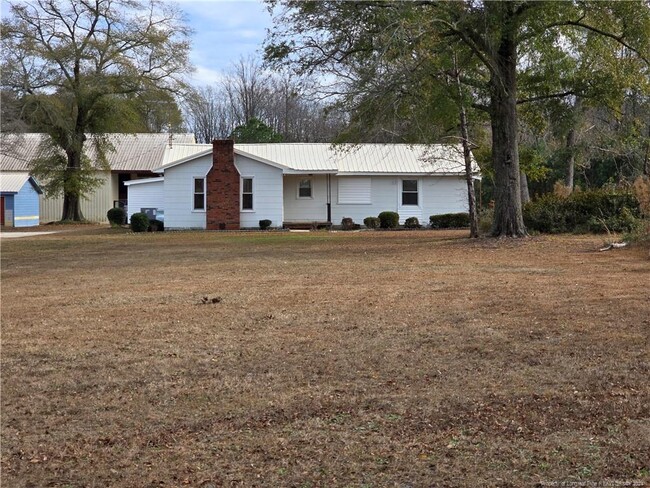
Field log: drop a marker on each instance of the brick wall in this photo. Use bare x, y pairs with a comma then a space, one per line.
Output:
222, 188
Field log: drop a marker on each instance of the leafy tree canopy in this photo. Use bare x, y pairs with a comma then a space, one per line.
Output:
255, 131
80, 67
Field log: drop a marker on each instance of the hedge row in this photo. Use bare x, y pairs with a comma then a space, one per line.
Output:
583, 211
449, 221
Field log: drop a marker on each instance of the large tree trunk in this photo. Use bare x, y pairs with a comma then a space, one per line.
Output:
72, 208
71, 191
508, 218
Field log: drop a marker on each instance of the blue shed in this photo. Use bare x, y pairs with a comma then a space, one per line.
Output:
19, 203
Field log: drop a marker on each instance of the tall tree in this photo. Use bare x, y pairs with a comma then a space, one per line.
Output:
72, 62
364, 43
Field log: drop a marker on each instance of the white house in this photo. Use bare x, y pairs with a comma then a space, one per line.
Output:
233, 186
134, 156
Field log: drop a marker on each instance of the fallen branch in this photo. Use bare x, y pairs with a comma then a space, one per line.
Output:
613, 245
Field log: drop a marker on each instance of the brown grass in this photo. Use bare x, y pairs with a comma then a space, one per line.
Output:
349, 359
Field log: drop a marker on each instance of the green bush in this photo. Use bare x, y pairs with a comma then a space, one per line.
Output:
371, 222
156, 225
139, 222
412, 223
116, 216
348, 224
265, 224
485, 218
388, 220
449, 221
583, 211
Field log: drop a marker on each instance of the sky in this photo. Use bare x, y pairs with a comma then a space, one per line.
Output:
224, 31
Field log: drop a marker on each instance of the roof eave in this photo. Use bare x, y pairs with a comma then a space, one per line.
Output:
161, 169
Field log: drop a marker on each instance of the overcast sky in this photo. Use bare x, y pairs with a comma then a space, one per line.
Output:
225, 30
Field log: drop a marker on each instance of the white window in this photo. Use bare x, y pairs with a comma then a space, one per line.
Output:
247, 193
199, 194
353, 190
410, 192
304, 188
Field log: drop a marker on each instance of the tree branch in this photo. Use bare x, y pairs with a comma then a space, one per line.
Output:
546, 97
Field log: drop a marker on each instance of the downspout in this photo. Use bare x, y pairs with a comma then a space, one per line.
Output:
329, 199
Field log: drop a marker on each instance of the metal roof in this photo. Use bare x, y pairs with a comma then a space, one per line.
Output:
13, 181
361, 158
133, 152
180, 152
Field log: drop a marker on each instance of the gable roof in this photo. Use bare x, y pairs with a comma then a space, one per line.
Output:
133, 152
13, 182
342, 159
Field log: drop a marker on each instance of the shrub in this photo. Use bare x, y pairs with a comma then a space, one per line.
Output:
449, 221
265, 224
641, 188
485, 219
139, 222
624, 222
156, 225
412, 223
388, 220
371, 222
116, 216
585, 211
348, 224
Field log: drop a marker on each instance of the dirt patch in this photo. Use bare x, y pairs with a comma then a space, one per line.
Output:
346, 359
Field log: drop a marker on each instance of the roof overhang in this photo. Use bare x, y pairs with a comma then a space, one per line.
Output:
184, 160
142, 181
399, 174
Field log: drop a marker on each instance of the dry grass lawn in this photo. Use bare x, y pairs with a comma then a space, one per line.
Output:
408, 359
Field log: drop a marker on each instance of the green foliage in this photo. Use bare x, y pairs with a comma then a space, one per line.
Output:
348, 224
89, 79
265, 224
395, 61
449, 221
156, 225
582, 211
412, 223
116, 216
388, 220
139, 222
371, 222
255, 131
485, 219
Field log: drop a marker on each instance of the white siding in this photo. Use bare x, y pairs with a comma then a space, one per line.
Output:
145, 195
306, 209
179, 194
267, 193
437, 195
443, 194
94, 207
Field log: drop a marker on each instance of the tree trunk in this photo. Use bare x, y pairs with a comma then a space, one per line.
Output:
508, 218
523, 183
467, 155
72, 208
570, 144
71, 190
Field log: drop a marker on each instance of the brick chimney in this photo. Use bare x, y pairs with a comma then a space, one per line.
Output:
222, 188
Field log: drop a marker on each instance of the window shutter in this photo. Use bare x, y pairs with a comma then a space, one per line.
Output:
354, 190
